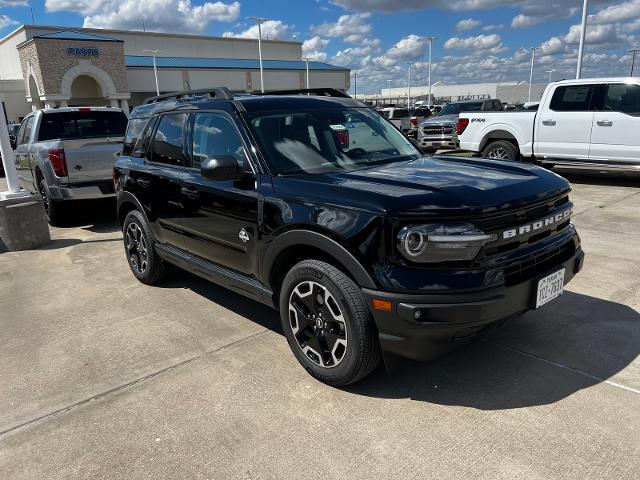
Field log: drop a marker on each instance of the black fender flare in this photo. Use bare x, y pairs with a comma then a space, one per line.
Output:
127, 197
322, 242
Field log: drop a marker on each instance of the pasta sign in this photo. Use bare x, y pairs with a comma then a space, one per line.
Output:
83, 52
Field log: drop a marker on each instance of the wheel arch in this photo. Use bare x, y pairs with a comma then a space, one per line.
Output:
500, 134
294, 246
126, 203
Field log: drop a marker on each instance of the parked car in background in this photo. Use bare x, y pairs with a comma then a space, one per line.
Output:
68, 154
400, 117
587, 124
318, 207
418, 115
439, 131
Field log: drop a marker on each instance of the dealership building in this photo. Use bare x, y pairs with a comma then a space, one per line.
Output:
42, 66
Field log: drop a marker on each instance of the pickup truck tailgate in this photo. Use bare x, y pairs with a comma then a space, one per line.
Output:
91, 159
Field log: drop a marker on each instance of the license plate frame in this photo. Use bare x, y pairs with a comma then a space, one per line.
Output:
549, 287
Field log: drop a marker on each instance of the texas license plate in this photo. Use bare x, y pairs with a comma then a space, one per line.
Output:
550, 287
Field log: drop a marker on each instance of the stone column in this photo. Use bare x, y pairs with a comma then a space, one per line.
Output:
64, 104
49, 104
34, 107
114, 102
124, 105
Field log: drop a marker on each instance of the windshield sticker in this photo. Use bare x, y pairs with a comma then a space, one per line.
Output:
349, 125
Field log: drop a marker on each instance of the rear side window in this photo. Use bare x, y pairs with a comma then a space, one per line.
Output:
471, 107
623, 98
134, 129
82, 124
168, 142
572, 98
400, 113
215, 136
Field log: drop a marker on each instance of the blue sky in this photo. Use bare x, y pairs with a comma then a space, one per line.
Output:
478, 40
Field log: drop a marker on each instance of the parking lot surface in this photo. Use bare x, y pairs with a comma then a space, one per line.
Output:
104, 377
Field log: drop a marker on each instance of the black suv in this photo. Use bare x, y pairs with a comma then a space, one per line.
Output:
314, 204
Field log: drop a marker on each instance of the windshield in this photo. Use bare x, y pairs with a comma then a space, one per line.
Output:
456, 108
327, 140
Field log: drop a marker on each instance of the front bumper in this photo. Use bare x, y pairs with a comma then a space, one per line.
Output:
424, 327
437, 142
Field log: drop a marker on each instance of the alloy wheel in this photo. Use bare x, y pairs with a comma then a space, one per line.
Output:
45, 199
137, 247
317, 324
498, 153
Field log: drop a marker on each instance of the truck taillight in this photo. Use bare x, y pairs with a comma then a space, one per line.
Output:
463, 123
58, 162
414, 121
343, 138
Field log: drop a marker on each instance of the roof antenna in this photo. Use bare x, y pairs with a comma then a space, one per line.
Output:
143, 28
33, 21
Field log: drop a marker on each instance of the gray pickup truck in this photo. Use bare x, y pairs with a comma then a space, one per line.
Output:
68, 154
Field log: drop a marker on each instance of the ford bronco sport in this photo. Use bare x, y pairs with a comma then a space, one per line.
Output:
314, 204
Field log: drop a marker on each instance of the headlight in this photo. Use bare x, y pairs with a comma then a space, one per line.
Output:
435, 243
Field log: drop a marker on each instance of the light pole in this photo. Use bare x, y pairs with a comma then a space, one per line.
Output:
389, 90
155, 68
549, 72
306, 61
431, 39
583, 32
355, 85
633, 60
409, 88
260, 21
533, 59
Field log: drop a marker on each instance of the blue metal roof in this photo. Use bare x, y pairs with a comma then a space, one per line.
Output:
231, 63
75, 35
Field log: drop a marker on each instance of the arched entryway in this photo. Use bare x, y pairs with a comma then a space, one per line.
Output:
85, 90
34, 93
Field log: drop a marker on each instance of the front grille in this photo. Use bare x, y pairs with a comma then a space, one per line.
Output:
437, 130
538, 264
521, 216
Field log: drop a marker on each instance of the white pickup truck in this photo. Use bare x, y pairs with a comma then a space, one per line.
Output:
588, 124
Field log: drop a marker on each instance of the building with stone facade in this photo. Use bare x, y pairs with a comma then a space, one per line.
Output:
43, 66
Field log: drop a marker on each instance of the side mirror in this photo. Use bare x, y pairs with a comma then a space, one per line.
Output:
224, 167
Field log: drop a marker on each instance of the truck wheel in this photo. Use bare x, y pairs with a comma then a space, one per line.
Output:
328, 324
501, 150
139, 244
52, 208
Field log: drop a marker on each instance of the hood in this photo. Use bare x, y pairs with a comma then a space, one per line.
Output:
441, 120
436, 186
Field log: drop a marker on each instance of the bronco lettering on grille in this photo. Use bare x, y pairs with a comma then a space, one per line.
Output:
537, 225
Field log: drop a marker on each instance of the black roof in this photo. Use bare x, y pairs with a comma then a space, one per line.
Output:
222, 99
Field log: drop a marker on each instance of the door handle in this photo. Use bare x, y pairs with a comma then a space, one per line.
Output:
605, 123
143, 183
189, 192
549, 123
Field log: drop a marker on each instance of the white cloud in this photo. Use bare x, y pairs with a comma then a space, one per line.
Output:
313, 48
14, 3
467, 24
271, 30
6, 21
352, 28
617, 13
479, 42
157, 15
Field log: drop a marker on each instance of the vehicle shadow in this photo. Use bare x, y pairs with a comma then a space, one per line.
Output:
596, 178
245, 307
96, 216
537, 359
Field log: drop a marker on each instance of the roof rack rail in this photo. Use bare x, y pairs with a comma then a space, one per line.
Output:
321, 92
218, 92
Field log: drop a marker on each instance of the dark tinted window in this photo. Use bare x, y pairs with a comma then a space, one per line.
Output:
572, 98
25, 131
400, 113
623, 98
82, 124
134, 129
215, 136
168, 143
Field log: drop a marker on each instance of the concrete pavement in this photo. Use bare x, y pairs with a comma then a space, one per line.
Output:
103, 377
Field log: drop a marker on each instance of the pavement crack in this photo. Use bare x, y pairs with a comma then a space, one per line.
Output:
566, 367
132, 383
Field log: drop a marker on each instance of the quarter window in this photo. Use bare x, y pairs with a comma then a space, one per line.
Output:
214, 135
623, 98
572, 98
168, 143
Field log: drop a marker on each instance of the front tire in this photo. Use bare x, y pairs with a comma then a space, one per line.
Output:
139, 245
328, 324
501, 150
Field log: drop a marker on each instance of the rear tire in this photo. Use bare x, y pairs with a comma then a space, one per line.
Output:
501, 150
139, 247
53, 208
328, 324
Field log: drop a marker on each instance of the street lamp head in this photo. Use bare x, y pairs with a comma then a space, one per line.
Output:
259, 19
